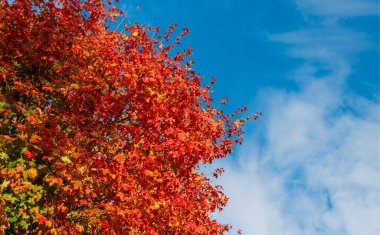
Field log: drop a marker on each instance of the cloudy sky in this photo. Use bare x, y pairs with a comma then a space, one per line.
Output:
311, 165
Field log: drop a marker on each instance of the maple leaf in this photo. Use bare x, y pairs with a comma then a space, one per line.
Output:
41, 219
20, 169
32, 173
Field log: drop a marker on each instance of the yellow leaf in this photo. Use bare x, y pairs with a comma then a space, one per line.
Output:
160, 97
4, 185
34, 211
81, 169
86, 53
135, 33
32, 173
155, 206
175, 224
79, 228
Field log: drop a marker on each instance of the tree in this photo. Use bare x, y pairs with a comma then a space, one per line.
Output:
103, 132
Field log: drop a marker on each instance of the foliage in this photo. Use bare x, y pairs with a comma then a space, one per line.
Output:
103, 132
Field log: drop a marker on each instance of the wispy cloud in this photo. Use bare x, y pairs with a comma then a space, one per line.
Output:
339, 8
324, 44
317, 168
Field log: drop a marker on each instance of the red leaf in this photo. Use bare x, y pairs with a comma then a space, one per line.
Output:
29, 154
41, 219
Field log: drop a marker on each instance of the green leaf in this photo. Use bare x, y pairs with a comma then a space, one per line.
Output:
4, 156
31, 201
40, 167
24, 224
13, 219
9, 197
2, 105
21, 160
23, 150
22, 196
66, 160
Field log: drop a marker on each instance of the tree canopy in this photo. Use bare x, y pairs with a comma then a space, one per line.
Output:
104, 131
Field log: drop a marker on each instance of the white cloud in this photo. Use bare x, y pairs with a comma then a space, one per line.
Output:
316, 169
255, 211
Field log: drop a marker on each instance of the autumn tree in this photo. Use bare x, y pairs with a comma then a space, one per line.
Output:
103, 132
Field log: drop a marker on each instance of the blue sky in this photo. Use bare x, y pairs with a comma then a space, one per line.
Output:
311, 165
